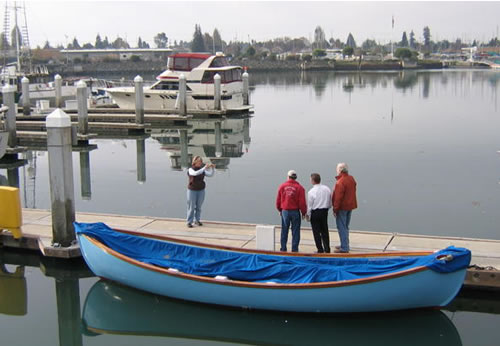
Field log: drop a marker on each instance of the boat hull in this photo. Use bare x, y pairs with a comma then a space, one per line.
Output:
159, 99
414, 289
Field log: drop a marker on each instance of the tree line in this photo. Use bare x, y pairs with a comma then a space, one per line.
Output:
213, 42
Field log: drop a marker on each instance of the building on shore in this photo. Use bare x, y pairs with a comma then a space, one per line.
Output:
121, 54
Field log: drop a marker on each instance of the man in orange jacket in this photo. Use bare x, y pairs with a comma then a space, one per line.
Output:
343, 201
291, 202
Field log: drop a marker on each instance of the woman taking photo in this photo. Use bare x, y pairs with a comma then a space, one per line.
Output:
196, 189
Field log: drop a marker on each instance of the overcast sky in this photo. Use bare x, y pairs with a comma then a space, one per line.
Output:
60, 21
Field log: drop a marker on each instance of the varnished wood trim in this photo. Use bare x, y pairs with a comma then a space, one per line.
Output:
186, 276
275, 253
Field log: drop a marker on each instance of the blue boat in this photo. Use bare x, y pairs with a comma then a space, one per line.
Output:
273, 280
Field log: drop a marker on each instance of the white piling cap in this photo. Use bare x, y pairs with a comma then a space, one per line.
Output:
25, 80
182, 76
138, 79
58, 118
81, 84
245, 74
57, 76
217, 76
8, 89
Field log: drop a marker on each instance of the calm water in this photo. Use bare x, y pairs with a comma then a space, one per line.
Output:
423, 147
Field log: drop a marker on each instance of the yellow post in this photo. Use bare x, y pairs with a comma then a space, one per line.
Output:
10, 211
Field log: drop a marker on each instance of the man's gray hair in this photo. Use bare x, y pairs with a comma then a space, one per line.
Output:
342, 167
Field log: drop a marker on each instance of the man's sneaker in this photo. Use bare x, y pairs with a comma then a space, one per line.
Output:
190, 225
198, 223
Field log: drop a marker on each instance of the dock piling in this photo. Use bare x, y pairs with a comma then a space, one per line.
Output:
81, 99
246, 95
25, 88
10, 116
58, 125
58, 89
182, 95
139, 100
217, 92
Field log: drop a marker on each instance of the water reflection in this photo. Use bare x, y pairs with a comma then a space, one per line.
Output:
13, 291
216, 141
114, 309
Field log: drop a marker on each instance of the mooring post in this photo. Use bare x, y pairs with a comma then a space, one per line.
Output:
139, 100
246, 134
217, 92
10, 117
58, 125
218, 139
25, 88
58, 87
246, 95
182, 95
83, 115
141, 161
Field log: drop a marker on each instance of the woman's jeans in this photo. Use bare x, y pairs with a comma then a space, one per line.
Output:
194, 201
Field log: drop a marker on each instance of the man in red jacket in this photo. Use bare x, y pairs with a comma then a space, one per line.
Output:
291, 202
343, 201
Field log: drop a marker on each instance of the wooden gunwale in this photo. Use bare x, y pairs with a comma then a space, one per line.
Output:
237, 283
274, 253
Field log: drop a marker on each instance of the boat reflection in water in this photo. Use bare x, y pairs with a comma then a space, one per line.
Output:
114, 309
215, 140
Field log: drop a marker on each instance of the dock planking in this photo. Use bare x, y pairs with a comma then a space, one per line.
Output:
37, 231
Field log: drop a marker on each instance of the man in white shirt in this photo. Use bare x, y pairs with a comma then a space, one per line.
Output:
319, 200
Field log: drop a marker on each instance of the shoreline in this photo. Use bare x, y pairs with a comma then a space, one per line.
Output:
149, 67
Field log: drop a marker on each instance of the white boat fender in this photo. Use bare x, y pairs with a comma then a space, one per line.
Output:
221, 277
173, 270
446, 258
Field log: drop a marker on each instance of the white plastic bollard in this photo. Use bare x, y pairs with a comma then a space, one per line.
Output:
182, 95
10, 117
246, 96
81, 99
25, 88
217, 92
139, 100
58, 87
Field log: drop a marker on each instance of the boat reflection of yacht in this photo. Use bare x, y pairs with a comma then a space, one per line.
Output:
216, 141
114, 309
199, 70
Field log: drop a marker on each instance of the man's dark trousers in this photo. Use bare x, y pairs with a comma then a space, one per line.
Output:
319, 224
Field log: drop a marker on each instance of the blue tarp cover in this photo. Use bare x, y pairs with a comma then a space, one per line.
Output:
264, 268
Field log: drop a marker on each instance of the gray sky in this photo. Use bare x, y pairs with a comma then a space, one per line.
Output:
60, 21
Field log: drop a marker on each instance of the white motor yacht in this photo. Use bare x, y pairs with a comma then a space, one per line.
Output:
199, 70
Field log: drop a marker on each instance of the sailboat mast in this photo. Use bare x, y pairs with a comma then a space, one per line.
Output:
16, 28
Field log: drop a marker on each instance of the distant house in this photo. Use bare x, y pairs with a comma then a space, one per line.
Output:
333, 53
94, 55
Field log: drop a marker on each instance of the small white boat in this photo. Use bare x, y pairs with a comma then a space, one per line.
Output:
199, 70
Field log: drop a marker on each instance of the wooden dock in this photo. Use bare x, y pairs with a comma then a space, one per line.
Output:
37, 231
